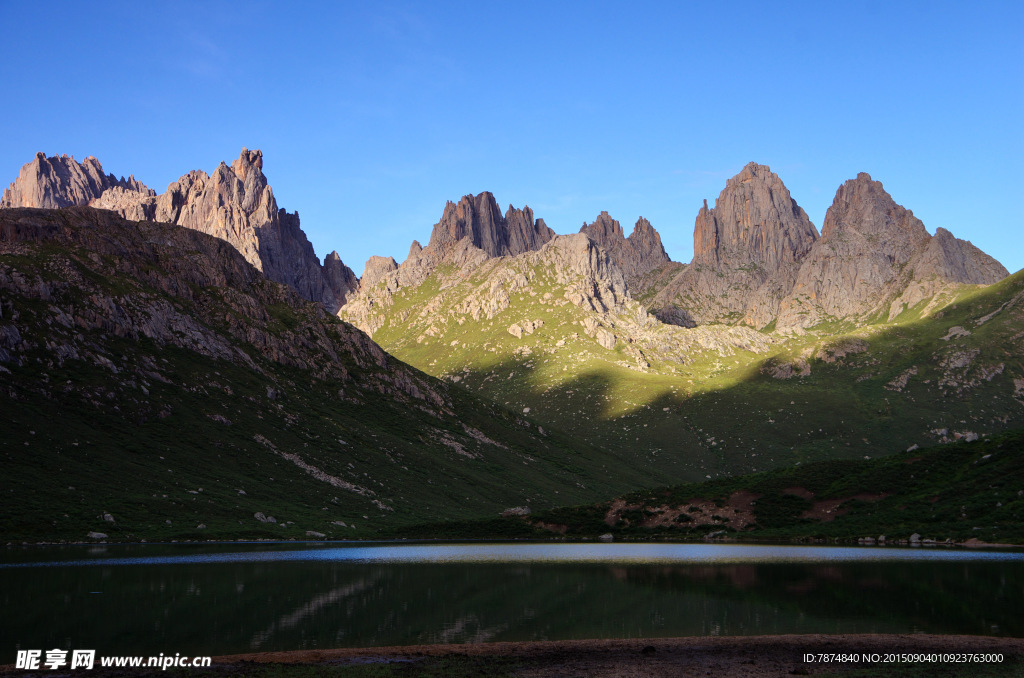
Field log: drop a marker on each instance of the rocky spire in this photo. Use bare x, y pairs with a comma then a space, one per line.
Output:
754, 221
647, 243
478, 218
605, 232
746, 252
641, 252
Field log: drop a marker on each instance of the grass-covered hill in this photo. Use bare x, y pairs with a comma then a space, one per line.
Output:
714, 400
155, 386
958, 492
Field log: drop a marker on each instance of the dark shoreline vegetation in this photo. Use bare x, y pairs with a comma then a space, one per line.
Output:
964, 492
952, 493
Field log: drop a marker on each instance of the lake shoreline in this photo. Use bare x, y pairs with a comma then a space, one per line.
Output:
968, 543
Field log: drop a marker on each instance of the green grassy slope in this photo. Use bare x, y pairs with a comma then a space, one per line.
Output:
841, 391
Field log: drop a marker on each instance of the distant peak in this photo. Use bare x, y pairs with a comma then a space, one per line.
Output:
755, 220
641, 225
755, 169
479, 218
247, 159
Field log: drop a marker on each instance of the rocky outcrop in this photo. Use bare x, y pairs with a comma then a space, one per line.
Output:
469, 233
957, 260
417, 266
747, 251
130, 204
478, 218
378, 267
340, 279
235, 204
61, 181
591, 279
636, 255
647, 244
875, 256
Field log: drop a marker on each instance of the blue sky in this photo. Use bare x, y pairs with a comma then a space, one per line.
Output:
371, 115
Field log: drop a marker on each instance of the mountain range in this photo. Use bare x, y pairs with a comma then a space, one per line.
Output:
757, 260
538, 369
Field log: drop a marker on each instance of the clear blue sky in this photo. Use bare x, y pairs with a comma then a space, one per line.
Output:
371, 115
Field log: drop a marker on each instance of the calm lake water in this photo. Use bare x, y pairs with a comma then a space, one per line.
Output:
231, 598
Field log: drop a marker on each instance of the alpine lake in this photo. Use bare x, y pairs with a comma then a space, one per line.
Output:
216, 599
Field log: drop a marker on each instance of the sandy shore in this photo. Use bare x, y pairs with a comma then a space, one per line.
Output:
670, 657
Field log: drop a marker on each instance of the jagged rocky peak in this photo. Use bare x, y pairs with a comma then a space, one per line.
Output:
376, 268
863, 207
755, 220
605, 231
747, 251
647, 241
234, 203
479, 218
61, 181
875, 254
636, 255
414, 249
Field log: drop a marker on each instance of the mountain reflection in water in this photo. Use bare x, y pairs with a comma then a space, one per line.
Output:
218, 599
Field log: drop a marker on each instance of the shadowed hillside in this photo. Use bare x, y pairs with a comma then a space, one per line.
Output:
155, 385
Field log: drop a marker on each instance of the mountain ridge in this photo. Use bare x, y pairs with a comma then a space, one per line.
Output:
758, 259
235, 203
